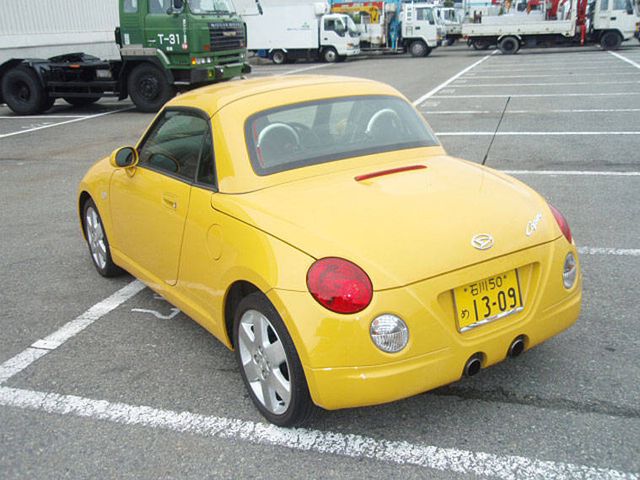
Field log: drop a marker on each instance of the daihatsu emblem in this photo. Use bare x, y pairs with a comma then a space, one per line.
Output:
482, 241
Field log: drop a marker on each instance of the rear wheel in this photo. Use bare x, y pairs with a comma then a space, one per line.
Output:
509, 45
23, 92
419, 49
269, 363
81, 101
149, 88
450, 41
97, 241
610, 40
279, 57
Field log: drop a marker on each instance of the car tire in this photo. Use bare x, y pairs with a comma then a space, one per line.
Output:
450, 42
81, 101
23, 92
149, 88
610, 40
330, 55
279, 57
48, 103
419, 49
509, 45
97, 241
269, 363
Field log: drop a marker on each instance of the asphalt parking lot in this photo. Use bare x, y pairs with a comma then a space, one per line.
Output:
101, 378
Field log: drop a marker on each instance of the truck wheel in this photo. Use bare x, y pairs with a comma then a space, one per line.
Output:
149, 88
480, 44
450, 41
610, 40
330, 55
419, 49
48, 103
23, 92
81, 101
279, 57
509, 45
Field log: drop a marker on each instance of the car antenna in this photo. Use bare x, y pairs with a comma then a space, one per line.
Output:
486, 155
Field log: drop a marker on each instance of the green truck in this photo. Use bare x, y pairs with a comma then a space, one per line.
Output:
165, 46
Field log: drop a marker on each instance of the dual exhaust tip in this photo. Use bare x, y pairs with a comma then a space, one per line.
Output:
474, 364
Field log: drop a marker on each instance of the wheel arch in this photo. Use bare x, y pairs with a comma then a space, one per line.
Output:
82, 199
518, 37
234, 295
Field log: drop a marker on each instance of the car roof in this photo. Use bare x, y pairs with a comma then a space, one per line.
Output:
214, 97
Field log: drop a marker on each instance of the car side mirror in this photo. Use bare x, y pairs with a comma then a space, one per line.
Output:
629, 11
432, 22
124, 157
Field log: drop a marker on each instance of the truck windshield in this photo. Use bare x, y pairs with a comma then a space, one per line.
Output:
351, 26
211, 7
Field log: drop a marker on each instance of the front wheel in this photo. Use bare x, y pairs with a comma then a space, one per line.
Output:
269, 364
419, 49
97, 241
480, 44
330, 55
149, 88
610, 40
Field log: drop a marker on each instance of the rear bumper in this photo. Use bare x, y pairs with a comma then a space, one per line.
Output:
344, 369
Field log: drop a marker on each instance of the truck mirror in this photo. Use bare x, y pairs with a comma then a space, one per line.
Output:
259, 7
178, 4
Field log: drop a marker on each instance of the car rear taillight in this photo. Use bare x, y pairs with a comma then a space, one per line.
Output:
339, 285
562, 223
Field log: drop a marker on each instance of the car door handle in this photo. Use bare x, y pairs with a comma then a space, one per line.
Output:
170, 201
613, 18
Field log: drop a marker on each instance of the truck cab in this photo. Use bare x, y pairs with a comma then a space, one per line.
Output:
339, 32
198, 40
613, 21
421, 30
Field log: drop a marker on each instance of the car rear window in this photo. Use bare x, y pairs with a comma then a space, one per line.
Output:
309, 133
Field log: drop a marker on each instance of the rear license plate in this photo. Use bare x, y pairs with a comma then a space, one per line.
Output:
487, 300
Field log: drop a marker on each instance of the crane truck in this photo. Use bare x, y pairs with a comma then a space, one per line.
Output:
394, 26
553, 22
165, 46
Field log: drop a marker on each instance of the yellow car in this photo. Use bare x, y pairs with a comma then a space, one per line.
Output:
314, 225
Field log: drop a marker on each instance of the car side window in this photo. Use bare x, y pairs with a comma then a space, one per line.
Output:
175, 143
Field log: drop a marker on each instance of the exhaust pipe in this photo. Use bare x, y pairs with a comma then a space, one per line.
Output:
516, 348
473, 366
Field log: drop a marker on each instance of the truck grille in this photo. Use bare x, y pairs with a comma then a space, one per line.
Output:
226, 36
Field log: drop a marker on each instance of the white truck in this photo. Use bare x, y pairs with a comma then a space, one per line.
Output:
451, 18
554, 22
286, 33
392, 26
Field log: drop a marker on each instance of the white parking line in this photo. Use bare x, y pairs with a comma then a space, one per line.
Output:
572, 172
541, 112
633, 252
452, 79
301, 439
304, 69
525, 95
608, 74
64, 123
38, 117
515, 134
15, 365
578, 69
547, 84
624, 59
